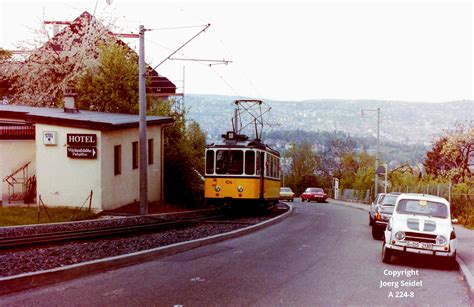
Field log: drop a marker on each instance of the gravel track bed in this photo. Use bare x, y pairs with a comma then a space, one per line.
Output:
89, 224
14, 262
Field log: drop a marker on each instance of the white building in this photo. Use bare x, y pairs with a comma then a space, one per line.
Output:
72, 154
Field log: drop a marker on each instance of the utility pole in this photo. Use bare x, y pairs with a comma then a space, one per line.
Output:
143, 166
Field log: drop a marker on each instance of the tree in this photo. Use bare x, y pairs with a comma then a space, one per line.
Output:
457, 149
449, 157
40, 78
184, 162
357, 171
303, 167
332, 156
111, 85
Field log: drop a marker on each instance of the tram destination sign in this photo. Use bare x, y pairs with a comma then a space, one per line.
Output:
80, 139
76, 152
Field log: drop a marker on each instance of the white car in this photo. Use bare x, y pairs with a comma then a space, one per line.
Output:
420, 224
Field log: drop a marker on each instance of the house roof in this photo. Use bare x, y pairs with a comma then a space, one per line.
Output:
82, 119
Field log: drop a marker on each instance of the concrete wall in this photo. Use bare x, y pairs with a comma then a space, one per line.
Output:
63, 181
14, 154
118, 190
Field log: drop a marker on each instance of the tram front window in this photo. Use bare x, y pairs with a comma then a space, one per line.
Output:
249, 162
209, 162
229, 162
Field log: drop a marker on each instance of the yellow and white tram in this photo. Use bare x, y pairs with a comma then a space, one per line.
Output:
240, 171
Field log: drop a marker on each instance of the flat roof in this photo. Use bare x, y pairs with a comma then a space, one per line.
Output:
81, 119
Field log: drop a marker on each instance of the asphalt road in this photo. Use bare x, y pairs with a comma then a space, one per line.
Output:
322, 255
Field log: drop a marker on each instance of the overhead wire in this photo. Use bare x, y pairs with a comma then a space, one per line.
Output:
201, 63
176, 28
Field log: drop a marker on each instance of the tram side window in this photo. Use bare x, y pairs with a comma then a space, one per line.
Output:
275, 160
272, 166
249, 162
210, 162
267, 165
278, 168
275, 167
230, 162
259, 163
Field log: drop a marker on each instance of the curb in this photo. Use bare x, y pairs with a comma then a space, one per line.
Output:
466, 273
26, 281
463, 268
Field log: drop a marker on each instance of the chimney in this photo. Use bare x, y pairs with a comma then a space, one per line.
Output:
70, 94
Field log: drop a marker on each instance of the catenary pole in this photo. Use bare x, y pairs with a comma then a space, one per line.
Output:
142, 127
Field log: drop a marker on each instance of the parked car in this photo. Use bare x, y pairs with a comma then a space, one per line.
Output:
383, 212
316, 194
420, 224
373, 206
286, 194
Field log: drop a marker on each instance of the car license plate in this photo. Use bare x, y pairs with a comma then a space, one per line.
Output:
420, 245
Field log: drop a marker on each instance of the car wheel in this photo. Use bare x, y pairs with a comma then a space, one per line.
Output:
452, 263
386, 254
377, 232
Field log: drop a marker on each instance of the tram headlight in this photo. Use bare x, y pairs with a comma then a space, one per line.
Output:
217, 188
240, 189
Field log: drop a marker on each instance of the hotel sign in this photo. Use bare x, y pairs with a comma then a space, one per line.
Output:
81, 146
75, 139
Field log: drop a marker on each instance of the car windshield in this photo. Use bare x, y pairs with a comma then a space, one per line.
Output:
422, 207
285, 190
314, 190
379, 198
389, 200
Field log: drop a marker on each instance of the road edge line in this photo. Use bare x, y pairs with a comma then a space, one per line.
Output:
11, 284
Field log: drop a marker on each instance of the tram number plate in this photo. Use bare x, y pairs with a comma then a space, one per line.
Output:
420, 245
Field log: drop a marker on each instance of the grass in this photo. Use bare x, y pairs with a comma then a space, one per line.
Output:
14, 216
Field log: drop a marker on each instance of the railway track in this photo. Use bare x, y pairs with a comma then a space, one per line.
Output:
108, 231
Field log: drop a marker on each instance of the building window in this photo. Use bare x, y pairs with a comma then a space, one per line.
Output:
151, 151
135, 155
117, 160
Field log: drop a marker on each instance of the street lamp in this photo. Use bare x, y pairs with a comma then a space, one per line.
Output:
377, 157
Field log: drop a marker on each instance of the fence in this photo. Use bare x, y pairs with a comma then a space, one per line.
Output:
440, 189
361, 196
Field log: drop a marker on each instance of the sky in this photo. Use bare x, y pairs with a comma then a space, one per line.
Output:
401, 50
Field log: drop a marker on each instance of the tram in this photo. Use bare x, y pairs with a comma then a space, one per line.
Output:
240, 170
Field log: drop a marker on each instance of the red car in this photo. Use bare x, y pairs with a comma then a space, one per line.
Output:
316, 194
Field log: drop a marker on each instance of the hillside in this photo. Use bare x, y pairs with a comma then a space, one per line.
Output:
402, 124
